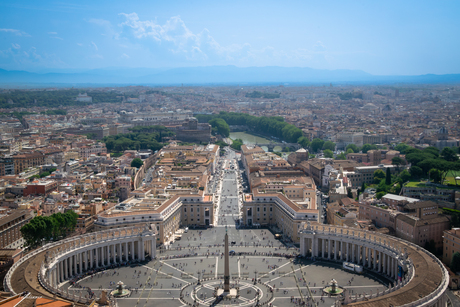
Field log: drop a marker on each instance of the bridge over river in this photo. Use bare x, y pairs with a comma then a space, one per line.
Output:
271, 146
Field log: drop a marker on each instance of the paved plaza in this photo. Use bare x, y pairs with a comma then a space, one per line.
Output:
264, 270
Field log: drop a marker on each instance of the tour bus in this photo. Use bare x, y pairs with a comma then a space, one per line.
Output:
353, 267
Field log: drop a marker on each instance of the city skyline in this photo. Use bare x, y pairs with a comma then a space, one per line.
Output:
390, 38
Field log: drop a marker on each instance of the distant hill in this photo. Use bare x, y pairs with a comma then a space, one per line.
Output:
212, 75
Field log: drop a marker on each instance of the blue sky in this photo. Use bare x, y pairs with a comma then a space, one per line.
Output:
379, 37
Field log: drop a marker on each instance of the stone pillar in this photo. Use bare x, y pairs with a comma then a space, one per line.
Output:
329, 249
120, 255
363, 255
66, 272
97, 257
396, 269
374, 259
80, 263
336, 249
71, 265
153, 248
323, 247
132, 250
369, 258
85, 256
61, 271
353, 253
142, 242
380, 262
126, 251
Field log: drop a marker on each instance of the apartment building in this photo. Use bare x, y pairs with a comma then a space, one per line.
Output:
451, 244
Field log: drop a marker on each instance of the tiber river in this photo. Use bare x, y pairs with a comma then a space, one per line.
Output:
252, 139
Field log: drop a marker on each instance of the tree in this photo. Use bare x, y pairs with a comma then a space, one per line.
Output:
379, 195
405, 176
341, 156
328, 153
449, 154
349, 194
137, 162
367, 147
388, 177
316, 145
285, 149
397, 161
220, 126
415, 171
329, 145
455, 262
363, 187
402, 147
353, 147
44, 174
349, 150
435, 175
237, 144
303, 141
378, 176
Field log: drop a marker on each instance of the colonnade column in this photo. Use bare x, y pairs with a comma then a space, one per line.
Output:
97, 256
323, 247
396, 269
341, 250
352, 252
375, 259
380, 262
126, 251
329, 249
336, 249
61, 270
132, 250
120, 253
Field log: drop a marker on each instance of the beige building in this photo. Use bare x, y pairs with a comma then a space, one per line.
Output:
451, 244
168, 214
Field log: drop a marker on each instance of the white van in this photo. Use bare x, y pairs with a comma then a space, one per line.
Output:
186, 229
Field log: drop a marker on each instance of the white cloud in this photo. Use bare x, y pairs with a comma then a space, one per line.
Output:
107, 26
80, 44
180, 40
52, 33
16, 46
95, 46
57, 37
125, 56
15, 32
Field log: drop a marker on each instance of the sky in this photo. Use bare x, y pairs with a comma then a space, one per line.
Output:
379, 37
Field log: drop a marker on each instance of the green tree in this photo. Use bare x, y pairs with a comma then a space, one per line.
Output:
449, 154
286, 149
303, 141
328, 153
397, 161
455, 262
349, 150
237, 144
435, 175
353, 147
402, 147
349, 194
136, 162
415, 171
367, 147
378, 176
388, 177
379, 195
341, 156
363, 187
329, 145
316, 145
405, 176
221, 126
44, 174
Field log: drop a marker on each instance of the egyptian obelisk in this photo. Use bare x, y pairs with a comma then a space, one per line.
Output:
227, 265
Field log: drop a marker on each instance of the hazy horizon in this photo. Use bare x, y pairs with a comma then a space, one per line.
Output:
379, 38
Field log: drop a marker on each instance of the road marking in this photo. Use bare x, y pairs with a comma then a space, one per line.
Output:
217, 261
239, 268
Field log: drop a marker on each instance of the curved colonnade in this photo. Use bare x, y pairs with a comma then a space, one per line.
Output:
73, 257
420, 279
